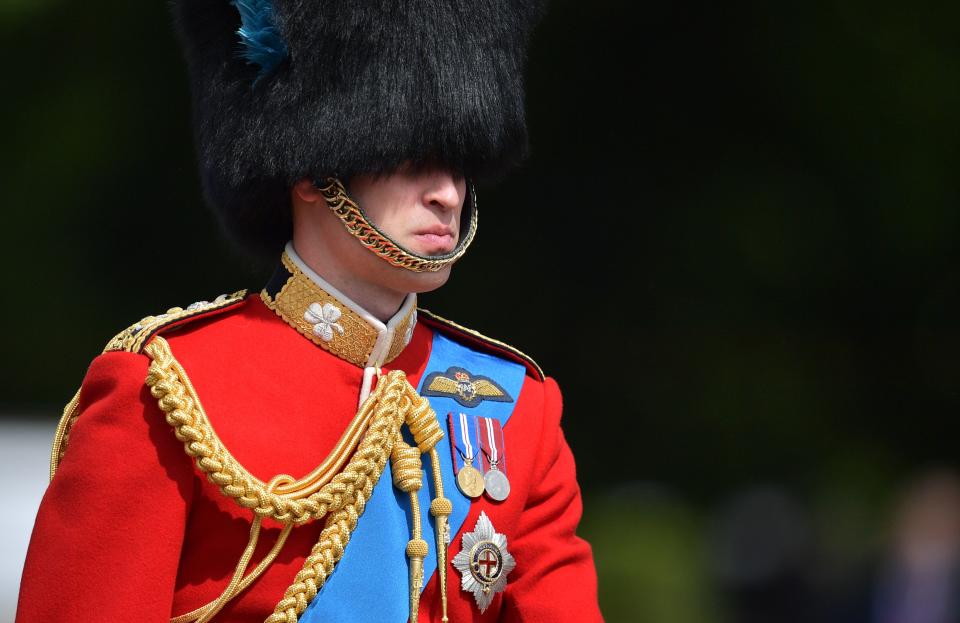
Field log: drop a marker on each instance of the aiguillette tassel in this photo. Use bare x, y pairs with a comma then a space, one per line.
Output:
441, 508
416, 551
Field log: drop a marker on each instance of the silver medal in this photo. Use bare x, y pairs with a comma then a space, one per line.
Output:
496, 484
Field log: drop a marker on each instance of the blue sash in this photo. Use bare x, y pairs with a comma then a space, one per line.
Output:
372, 582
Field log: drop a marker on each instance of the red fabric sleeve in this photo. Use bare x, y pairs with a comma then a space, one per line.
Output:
556, 581
107, 538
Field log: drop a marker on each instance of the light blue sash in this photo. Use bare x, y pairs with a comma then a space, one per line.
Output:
371, 581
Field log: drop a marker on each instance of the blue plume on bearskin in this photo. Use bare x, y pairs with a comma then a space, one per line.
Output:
262, 44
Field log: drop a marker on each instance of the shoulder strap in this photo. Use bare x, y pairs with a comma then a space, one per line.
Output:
478, 340
135, 337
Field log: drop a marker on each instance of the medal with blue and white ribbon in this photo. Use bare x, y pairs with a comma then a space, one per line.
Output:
469, 479
495, 481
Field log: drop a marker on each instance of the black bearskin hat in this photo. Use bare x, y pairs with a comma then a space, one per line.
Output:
284, 89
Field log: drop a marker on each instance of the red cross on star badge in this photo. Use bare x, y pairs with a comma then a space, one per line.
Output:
484, 562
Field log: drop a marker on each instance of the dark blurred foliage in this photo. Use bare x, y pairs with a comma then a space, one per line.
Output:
735, 245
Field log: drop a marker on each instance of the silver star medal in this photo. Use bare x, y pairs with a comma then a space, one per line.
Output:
484, 562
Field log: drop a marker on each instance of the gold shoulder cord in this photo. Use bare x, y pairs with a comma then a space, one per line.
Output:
337, 490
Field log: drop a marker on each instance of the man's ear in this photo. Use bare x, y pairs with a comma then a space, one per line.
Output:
306, 191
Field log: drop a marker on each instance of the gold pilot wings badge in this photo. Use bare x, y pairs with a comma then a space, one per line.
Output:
467, 389
484, 562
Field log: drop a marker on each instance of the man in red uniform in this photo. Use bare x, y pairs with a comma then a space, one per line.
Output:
323, 450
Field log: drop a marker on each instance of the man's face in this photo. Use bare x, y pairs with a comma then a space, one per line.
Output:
420, 210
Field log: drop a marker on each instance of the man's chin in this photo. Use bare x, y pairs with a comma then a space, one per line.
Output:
410, 281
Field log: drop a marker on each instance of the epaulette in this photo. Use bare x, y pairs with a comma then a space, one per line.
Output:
135, 337
478, 339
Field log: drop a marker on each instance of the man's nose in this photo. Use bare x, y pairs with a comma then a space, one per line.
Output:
444, 190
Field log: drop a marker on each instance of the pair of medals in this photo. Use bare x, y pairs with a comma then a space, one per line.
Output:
479, 439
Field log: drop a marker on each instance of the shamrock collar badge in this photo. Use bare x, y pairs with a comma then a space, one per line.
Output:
324, 320
484, 562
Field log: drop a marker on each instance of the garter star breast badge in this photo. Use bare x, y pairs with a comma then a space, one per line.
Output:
484, 562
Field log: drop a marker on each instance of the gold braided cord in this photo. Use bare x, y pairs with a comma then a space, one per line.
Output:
218, 604
426, 430
323, 491
424, 426
205, 613
322, 559
356, 222
405, 461
407, 476
394, 400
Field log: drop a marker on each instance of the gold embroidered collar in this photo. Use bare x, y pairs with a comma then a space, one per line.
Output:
329, 319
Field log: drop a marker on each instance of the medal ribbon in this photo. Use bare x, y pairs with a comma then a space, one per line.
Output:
465, 435
491, 442
463, 429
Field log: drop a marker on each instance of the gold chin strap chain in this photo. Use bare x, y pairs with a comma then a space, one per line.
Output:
356, 222
337, 490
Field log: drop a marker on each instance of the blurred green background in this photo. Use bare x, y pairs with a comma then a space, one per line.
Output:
735, 246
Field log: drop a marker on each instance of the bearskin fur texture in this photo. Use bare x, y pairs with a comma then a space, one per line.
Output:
366, 86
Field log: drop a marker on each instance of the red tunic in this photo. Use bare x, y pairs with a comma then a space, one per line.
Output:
129, 529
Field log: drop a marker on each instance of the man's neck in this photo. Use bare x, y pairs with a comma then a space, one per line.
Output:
380, 302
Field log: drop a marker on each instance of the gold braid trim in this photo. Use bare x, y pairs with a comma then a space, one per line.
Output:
300, 501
